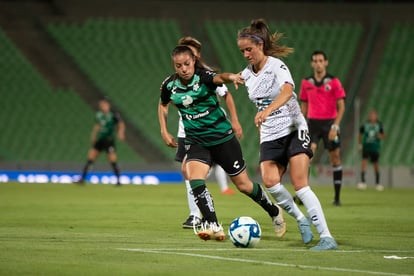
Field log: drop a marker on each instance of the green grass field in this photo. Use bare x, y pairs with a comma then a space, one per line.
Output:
54, 229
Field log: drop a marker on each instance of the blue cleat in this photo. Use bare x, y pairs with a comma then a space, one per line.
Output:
305, 230
327, 243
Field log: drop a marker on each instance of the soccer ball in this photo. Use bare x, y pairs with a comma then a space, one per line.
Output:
245, 232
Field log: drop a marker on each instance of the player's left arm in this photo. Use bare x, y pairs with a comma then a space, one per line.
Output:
381, 134
286, 92
340, 106
222, 78
231, 106
121, 128
121, 131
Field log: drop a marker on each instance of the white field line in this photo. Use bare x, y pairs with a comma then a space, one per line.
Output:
166, 252
267, 249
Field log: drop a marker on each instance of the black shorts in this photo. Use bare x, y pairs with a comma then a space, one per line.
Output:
319, 129
373, 156
282, 149
180, 154
107, 145
228, 155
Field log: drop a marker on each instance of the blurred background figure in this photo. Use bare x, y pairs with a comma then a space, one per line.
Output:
371, 133
108, 125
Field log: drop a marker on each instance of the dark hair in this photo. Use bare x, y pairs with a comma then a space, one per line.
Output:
104, 99
193, 42
190, 41
181, 49
319, 52
259, 32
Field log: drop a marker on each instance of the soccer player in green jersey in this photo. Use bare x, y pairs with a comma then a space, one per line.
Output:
209, 137
222, 92
370, 135
108, 125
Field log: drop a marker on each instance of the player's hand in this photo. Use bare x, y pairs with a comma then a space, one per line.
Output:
236, 79
333, 133
261, 117
169, 140
237, 128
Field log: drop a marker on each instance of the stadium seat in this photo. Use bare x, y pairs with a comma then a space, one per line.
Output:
127, 59
390, 96
42, 123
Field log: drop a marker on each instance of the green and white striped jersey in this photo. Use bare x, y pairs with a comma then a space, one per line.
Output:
205, 123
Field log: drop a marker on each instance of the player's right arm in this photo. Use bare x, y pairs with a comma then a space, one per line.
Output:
163, 105
169, 139
361, 132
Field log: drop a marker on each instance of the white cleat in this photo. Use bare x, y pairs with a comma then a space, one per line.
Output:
279, 224
361, 186
210, 231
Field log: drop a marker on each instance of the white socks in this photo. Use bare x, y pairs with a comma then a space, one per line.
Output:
194, 211
285, 200
314, 209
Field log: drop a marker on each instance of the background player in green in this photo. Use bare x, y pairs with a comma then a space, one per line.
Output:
370, 135
108, 125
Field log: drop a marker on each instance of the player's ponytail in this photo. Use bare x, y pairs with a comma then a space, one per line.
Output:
259, 32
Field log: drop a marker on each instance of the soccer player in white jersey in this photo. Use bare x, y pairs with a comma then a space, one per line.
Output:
194, 218
284, 135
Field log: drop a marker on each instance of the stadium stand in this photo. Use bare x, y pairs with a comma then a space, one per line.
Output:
41, 123
391, 95
339, 40
127, 59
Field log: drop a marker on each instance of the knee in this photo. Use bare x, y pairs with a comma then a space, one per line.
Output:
335, 161
270, 179
243, 184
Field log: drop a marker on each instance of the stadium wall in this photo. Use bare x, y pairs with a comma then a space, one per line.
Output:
189, 13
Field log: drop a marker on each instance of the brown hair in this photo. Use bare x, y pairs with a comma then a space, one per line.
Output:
259, 32
191, 41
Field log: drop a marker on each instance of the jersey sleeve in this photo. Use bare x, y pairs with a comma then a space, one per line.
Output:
207, 78
222, 90
165, 96
303, 95
339, 90
282, 73
117, 117
245, 73
361, 129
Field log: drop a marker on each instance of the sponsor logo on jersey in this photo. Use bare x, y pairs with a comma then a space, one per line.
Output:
197, 116
187, 100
